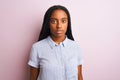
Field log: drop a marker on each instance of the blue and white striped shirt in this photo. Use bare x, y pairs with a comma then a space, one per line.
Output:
56, 62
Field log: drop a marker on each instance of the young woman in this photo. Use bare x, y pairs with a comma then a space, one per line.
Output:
56, 56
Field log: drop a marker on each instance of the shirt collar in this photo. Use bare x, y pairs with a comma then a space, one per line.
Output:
53, 44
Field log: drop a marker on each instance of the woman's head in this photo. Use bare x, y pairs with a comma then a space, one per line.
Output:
53, 16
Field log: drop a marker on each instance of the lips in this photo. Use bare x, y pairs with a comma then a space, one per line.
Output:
59, 31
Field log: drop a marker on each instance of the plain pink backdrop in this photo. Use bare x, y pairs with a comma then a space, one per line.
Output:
95, 24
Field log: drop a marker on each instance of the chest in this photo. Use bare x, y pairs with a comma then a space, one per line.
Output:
58, 57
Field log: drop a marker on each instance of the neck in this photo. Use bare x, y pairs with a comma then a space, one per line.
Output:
58, 39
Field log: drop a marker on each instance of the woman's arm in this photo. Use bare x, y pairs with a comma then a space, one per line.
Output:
34, 72
80, 72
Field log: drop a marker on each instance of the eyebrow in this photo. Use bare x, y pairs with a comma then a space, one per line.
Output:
56, 19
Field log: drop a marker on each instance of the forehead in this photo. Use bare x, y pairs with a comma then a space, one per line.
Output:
59, 14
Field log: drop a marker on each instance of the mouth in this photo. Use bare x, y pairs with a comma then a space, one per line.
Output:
59, 31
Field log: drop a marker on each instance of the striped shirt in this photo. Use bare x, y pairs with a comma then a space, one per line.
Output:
56, 61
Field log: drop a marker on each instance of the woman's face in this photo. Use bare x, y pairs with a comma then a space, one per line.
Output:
58, 23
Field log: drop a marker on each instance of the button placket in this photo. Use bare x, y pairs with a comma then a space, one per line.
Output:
63, 62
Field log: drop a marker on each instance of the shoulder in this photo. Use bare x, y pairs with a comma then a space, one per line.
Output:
73, 43
40, 44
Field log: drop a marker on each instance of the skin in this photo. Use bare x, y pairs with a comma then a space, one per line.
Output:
80, 72
34, 72
58, 25
58, 28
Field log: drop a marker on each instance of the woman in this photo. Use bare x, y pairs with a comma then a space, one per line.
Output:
56, 56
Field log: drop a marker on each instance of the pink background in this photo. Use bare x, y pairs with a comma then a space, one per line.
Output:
95, 24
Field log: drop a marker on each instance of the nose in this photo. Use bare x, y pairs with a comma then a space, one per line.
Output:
59, 24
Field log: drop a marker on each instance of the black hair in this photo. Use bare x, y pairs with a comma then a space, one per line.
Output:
45, 31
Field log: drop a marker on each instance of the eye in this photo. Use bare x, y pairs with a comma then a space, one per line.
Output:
64, 21
53, 21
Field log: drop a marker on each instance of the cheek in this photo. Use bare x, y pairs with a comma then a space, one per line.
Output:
52, 27
65, 27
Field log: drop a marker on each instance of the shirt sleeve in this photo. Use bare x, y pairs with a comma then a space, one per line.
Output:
79, 56
33, 60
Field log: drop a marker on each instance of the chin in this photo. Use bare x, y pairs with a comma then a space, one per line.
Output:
59, 35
